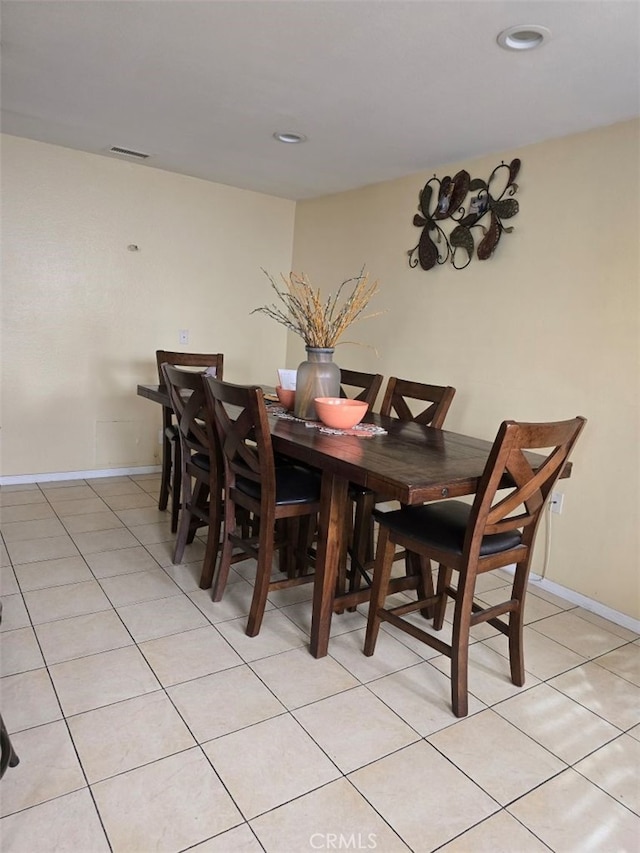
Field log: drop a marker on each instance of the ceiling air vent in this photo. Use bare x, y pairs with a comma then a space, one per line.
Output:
116, 149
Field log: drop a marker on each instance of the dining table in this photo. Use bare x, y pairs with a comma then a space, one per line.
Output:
404, 461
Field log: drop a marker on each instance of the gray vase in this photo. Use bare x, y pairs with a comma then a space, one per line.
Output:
318, 376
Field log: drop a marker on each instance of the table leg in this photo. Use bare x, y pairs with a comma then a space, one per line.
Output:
331, 531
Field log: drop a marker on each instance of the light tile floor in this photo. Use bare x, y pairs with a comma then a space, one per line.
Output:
146, 720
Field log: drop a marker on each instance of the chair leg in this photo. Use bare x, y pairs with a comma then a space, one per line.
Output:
199, 500
298, 532
381, 576
176, 486
516, 625
213, 542
362, 535
291, 549
184, 527
420, 566
222, 575
165, 481
306, 529
263, 579
444, 581
287, 533
246, 523
460, 645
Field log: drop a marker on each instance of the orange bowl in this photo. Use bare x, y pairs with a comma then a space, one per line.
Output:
287, 398
340, 412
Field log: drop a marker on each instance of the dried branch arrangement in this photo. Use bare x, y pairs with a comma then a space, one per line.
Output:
319, 323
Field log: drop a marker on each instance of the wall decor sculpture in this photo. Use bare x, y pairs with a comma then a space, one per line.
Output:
475, 208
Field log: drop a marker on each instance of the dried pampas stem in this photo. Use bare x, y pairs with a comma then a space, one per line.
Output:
319, 324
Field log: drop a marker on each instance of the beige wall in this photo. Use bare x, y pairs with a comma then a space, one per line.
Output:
82, 315
548, 328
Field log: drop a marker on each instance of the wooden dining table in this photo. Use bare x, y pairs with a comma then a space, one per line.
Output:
410, 463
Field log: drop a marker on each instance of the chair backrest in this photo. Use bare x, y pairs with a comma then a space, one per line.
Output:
398, 391
240, 417
189, 359
367, 383
527, 489
186, 392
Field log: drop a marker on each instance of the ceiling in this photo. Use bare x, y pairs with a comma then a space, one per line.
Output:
381, 88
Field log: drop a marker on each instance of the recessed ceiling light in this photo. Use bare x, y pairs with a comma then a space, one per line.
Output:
290, 138
523, 37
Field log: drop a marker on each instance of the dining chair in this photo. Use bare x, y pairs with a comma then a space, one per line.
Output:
399, 396
201, 467
399, 391
497, 530
367, 385
171, 468
283, 498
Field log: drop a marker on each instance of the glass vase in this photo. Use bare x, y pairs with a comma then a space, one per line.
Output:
318, 376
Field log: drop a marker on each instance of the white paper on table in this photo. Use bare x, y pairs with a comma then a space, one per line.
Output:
211, 371
287, 379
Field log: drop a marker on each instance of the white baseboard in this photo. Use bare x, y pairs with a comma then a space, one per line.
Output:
20, 479
582, 601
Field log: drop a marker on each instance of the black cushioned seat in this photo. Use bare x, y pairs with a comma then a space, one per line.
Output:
444, 525
201, 460
294, 485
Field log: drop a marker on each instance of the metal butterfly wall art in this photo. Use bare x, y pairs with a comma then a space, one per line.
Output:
472, 206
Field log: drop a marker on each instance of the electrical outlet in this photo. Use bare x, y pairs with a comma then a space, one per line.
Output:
184, 336
160, 436
556, 502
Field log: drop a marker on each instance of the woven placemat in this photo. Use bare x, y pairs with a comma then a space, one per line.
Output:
359, 430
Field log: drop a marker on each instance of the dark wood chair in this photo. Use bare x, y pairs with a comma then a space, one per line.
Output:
365, 385
201, 467
496, 531
282, 500
399, 391
398, 396
171, 468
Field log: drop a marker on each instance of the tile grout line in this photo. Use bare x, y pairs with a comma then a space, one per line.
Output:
249, 664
